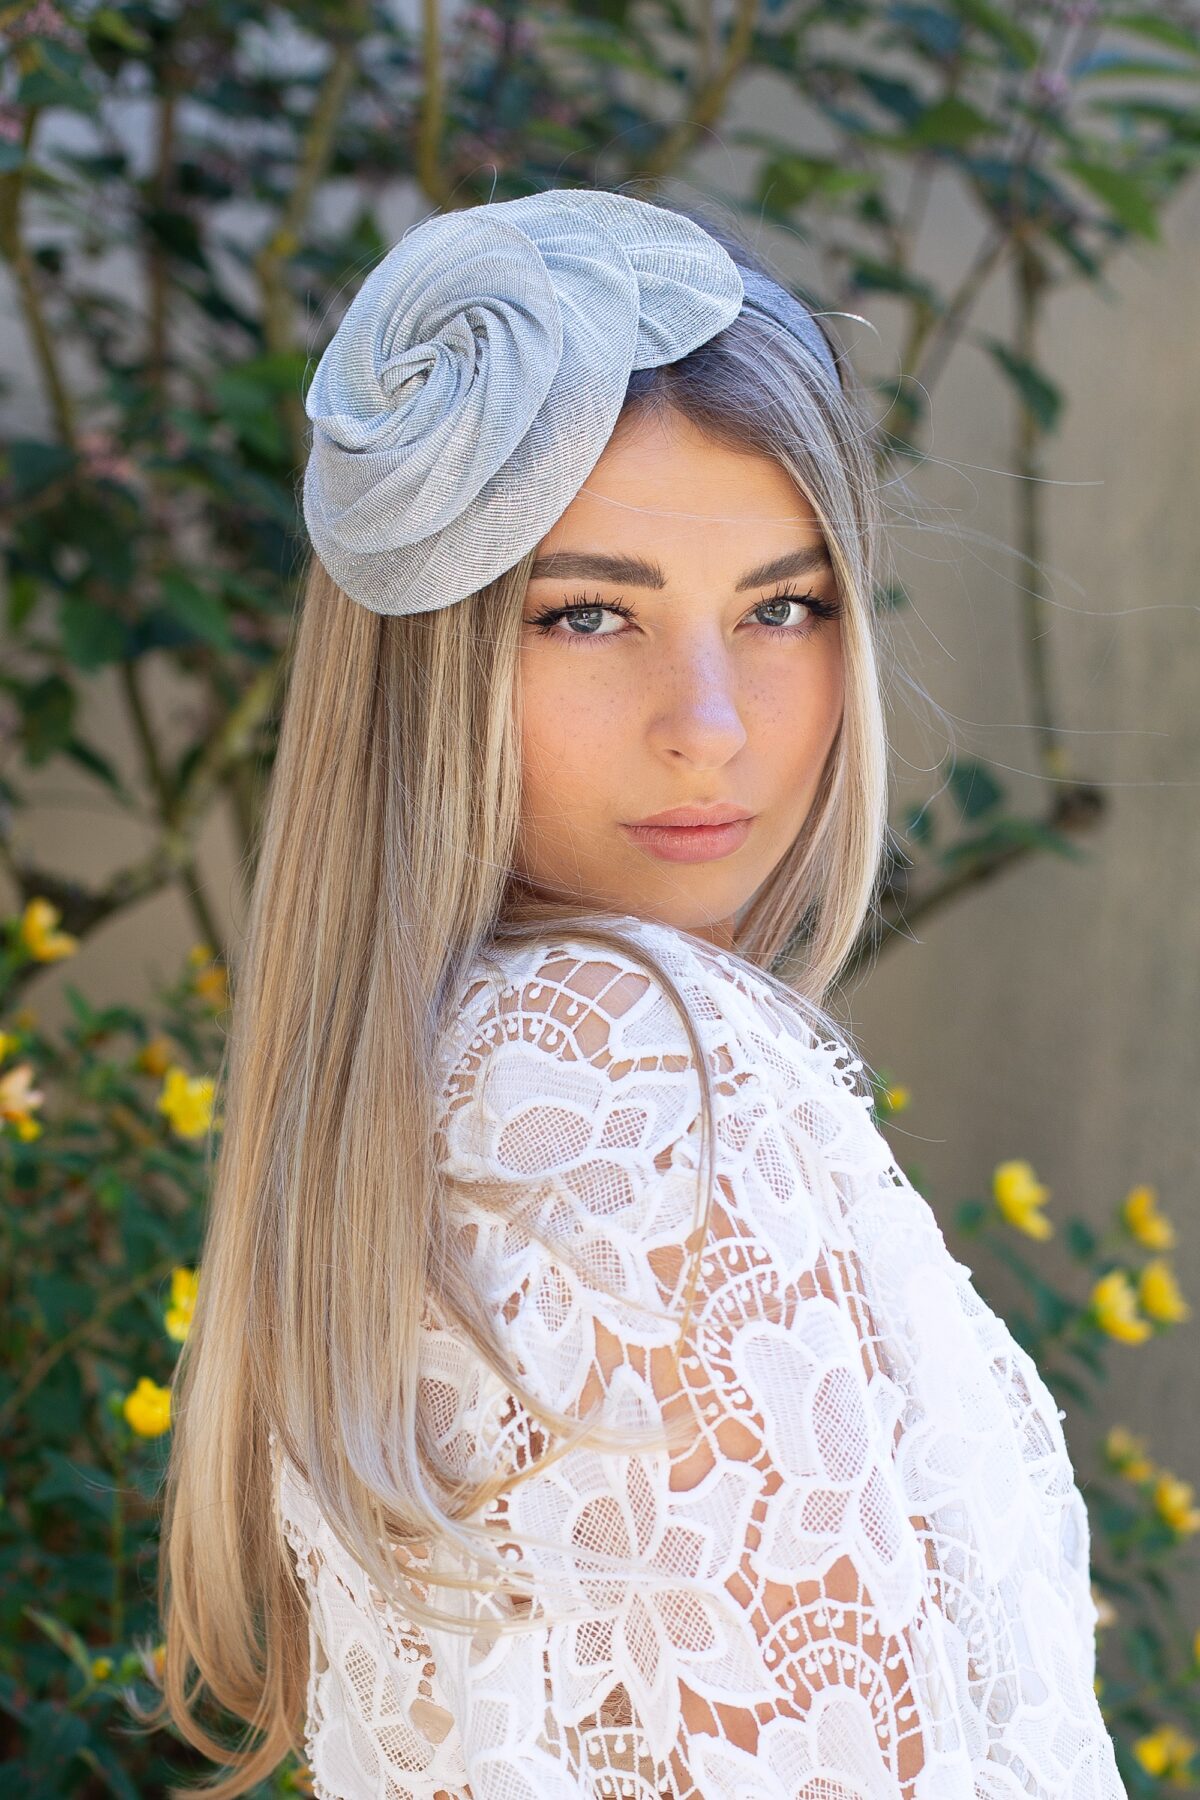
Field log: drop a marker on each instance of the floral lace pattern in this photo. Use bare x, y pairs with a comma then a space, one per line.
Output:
862, 1569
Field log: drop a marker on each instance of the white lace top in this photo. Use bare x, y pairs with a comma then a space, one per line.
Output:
864, 1572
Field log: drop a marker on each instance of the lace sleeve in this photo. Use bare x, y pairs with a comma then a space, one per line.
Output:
776, 1631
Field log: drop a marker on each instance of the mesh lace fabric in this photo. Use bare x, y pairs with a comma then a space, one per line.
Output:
865, 1574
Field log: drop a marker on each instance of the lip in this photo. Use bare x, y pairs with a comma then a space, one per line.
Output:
692, 843
722, 814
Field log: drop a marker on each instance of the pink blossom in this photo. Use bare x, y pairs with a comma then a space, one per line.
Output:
44, 20
102, 459
1051, 85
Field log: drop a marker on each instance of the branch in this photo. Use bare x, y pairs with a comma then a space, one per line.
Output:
16, 252
908, 900
933, 335
157, 274
433, 105
1031, 281
706, 102
315, 155
104, 1305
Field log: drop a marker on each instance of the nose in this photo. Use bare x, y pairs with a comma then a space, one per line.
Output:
696, 713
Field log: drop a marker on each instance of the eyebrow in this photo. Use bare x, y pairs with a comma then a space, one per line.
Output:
640, 571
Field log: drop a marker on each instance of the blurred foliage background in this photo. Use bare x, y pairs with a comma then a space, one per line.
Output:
187, 194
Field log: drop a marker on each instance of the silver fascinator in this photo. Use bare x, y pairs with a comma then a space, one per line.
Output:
479, 372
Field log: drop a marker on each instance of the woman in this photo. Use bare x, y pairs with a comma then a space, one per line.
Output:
579, 1400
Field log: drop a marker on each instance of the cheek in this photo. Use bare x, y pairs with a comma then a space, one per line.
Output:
573, 726
796, 710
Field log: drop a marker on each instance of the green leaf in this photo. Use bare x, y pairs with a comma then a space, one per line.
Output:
1011, 830
971, 1216
54, 82
68, 1480
97, 764
99, 1757
1080, 1240
949, 124
1037, 392
33, 465
68, 1641
1144, 1646
248, 396
1089, 1353
1053, 1309
1162, 31
55, 1738
22, 597
597, 46
934, 32
789, 180
1125, 196
62, 1300
919, 823
1116, 65
47, 717
870, 276
202, 612
974, 787
995, 23
1021, 192
1070, 1386
899, 98
107, 23
91, 635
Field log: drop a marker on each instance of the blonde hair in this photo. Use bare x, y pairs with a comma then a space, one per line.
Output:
386, 864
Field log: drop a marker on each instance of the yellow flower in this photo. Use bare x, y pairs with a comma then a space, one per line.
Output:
183, 1301
199, 954
1145, 1222
8, 1043
1159, 1293
18, 1099
1114, 1307
896, 1098
1173, 1500
155, 1055
148, 1408
213, 985
187, 1101
1020, 1196
43, 942
102, 1667
1127, 1454
1165, 1751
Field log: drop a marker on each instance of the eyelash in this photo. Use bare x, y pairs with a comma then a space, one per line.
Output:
545, 620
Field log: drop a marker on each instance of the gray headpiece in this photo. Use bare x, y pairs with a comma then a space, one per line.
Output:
478, 374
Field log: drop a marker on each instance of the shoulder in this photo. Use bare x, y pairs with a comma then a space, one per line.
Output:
588, 1045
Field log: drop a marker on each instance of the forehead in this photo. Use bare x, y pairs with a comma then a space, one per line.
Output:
662, 488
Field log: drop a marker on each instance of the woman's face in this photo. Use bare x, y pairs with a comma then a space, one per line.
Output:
695, 673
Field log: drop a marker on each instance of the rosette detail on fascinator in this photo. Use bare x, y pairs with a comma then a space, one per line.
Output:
478, 374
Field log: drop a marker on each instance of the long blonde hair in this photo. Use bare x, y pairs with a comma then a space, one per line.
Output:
386, 864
